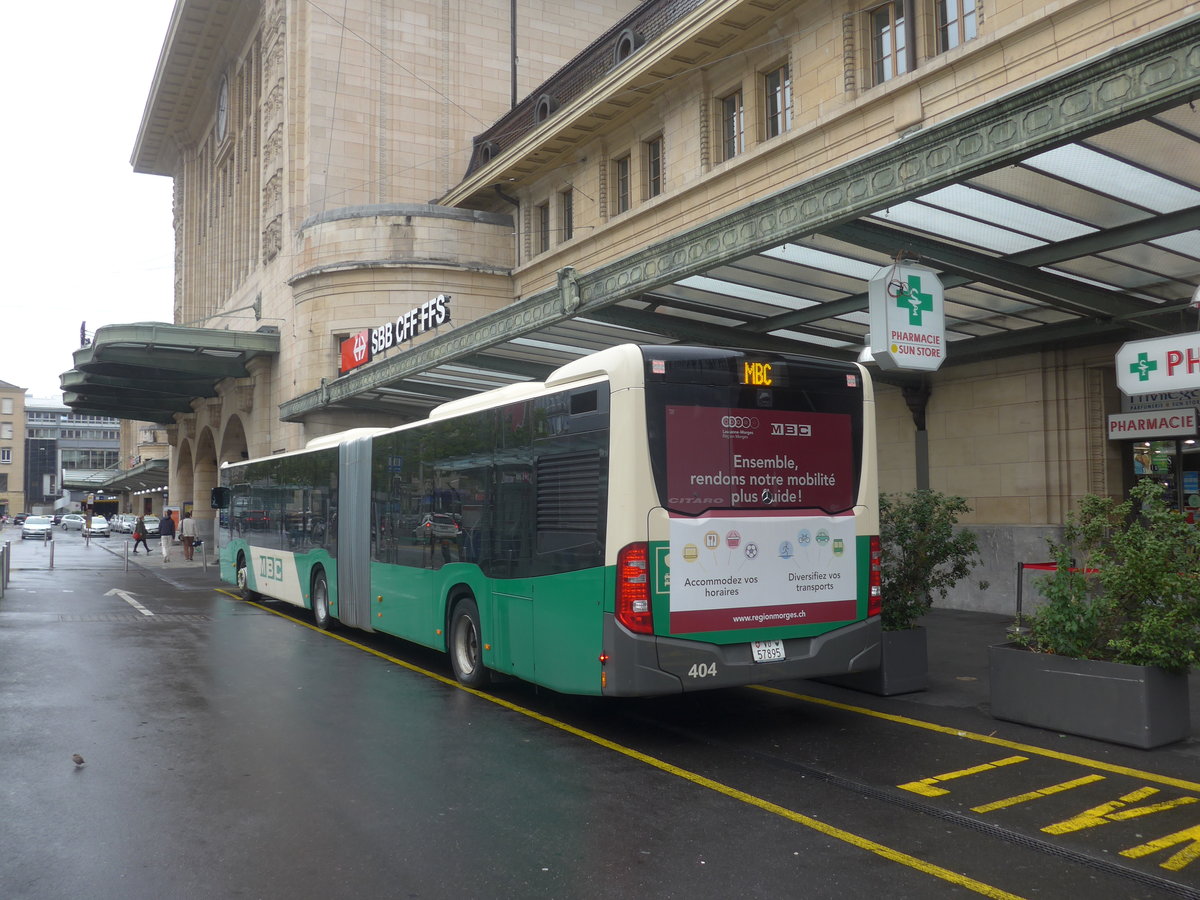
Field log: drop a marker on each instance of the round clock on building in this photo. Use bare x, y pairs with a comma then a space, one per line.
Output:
222, 108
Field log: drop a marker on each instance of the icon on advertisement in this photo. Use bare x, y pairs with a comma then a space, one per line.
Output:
733, 538
691, 552
751, 550
767, 496
804, 538
712, 540
785, 550
822, 537
839, 546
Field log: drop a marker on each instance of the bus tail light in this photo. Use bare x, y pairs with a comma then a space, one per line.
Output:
633, 588
875, 599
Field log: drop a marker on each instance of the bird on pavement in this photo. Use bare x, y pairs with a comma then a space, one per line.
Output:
77, 759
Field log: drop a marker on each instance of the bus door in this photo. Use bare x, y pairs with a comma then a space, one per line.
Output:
354, 534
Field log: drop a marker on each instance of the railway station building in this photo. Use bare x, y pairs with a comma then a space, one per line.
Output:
382, 206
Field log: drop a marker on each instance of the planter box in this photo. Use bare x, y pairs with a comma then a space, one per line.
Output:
903, 667
1139, 706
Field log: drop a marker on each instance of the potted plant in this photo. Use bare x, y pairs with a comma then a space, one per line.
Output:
1107, 656
923, 554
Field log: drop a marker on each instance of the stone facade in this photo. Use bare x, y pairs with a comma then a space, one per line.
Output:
12, 449
343, 183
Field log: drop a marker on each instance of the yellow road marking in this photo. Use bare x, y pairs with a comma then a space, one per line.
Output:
888, 853
989, 739
926, 787
1104, 813
1180, 860
1040, 792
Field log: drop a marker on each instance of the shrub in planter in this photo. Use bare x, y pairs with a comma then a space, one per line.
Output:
923, 555
1119, 631
1127, 587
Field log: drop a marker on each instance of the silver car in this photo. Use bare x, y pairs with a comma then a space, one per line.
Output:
37, 527
98, 528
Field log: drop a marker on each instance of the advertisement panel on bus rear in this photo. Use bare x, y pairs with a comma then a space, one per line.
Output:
755, 571
721, 458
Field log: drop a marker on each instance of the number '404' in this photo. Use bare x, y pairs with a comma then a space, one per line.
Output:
703, 670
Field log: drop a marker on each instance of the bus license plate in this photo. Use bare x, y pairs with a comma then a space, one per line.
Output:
767, 651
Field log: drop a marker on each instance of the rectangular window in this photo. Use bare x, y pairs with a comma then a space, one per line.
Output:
566, 214
733, 123
777, 87
654, 167
621, 184
955, 23
4, 482
6, 406
6, 431
889, 41
5, 455
542, 211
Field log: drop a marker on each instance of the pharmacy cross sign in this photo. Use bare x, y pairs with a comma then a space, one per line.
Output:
1143, 367
908, 328
909, 296
1169, 363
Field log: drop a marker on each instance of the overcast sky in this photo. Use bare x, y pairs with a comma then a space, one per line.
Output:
83, 238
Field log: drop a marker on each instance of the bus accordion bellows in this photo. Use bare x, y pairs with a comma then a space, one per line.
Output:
649, 520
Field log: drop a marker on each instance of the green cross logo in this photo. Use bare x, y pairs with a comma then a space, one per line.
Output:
1143, 367
910, 297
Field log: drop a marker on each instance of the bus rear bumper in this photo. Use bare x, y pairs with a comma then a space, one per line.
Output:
649, 665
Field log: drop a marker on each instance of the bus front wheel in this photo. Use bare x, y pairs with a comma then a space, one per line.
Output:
320, 602
243, 580
466, 645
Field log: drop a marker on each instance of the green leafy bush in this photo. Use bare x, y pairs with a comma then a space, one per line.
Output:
1127, 587
922, 553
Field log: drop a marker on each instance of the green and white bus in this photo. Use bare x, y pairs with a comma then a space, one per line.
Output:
648, 520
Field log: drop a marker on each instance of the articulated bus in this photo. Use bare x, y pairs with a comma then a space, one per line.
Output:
649, 520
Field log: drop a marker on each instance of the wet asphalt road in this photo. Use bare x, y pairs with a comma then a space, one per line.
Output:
231, 752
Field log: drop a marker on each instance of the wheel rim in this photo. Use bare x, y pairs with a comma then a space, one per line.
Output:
320, 602
241, 578
466, 644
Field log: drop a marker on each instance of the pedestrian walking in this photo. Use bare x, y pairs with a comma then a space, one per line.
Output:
166, 535
139, 535
187, 531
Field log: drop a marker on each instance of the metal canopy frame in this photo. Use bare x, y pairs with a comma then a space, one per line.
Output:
1064, 213
150, 371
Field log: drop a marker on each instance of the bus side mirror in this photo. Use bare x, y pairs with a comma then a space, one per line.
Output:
219, 498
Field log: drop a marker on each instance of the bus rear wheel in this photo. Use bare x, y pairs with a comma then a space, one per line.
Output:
320, 602
466, 645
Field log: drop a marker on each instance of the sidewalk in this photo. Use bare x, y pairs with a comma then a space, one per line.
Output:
178, 570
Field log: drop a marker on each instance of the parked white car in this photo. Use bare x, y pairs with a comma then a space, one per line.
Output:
37, 527
72, 522
151, 523
98, 528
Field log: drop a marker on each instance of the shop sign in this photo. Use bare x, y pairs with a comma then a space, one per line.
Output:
1159, 364
908, 329
1160, 400
361, 348
1152, 424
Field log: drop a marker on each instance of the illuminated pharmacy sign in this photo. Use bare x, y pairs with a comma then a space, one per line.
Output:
908, 328
1159, 364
